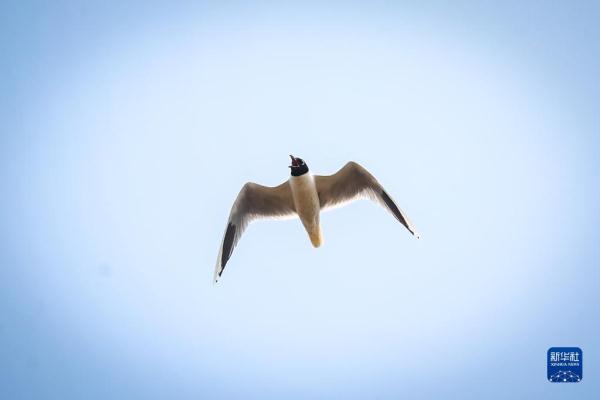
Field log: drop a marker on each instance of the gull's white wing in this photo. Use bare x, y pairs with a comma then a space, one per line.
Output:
353, 182
253, 202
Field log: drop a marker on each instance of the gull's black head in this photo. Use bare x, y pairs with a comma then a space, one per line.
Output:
298, 166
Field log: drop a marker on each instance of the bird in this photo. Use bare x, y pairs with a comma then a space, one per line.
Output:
303, 196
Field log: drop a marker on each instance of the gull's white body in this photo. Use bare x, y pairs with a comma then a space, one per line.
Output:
306, 201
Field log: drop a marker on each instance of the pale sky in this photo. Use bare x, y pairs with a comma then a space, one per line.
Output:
129, 128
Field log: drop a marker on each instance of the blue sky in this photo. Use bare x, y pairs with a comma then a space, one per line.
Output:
129, 127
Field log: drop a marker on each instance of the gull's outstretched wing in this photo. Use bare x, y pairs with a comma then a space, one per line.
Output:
353, 182
253, 202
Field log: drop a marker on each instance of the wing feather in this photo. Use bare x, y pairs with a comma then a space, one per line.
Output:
354, 182
253, 202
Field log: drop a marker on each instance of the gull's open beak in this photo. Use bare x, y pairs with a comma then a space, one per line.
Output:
294, 162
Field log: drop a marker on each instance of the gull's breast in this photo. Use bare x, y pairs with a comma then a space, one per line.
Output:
306, 201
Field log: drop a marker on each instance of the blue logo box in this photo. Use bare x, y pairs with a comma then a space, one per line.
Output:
565, 364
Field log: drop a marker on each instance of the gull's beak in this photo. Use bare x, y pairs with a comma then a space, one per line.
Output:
294, 162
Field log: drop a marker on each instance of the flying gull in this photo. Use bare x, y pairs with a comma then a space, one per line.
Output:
304, 195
